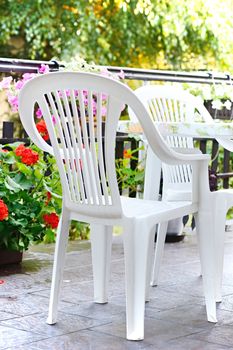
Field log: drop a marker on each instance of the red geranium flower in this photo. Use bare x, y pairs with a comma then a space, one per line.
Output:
29, 157
3, 210
19, 150
42, 128
51, 220
49, 196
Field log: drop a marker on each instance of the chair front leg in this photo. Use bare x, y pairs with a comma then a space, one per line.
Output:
137, 238
58, 265
101, 248
219, 217
205, 231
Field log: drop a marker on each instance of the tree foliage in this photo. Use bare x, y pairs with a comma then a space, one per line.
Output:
152, 33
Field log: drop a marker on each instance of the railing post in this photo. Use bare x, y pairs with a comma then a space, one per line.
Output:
134, 162
8, 130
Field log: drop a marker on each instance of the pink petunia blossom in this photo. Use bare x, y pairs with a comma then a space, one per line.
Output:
28, 76
19, 84
44, 68
105, 72
13, 101
5, 83
39, 113
54, 119
104, 110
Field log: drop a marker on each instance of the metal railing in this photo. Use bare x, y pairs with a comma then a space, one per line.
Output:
13, 65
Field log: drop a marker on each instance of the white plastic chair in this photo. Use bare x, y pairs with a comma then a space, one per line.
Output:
89, 184
169, 103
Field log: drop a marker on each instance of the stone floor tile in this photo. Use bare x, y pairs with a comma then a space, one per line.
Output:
66, 324
156, 331
6, 316
192, 315
83, 291
97, 311
193, 287
164, 300
84, 340
188, 343
23, 305
10, 337
220, 335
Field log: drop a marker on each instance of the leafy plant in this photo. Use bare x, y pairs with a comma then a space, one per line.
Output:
30, 199
130, 178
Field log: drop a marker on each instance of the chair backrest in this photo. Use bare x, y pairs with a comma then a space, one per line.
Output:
169, 103
74, 106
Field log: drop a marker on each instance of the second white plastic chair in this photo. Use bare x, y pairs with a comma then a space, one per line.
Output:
169, 103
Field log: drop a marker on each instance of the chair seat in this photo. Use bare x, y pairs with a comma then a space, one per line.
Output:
133, 207
178, 195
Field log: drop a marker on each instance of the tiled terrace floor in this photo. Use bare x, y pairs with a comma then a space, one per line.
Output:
175, 316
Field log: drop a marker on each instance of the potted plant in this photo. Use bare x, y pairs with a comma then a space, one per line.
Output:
30, 201
218, 98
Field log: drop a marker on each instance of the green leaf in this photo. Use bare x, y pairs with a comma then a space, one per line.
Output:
49, 189
12, 185
23, 181
24, 168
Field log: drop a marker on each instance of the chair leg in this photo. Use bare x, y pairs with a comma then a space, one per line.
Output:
137, 238
159, 248
219, 234
58, 265
150, 263
205, 231
101, 247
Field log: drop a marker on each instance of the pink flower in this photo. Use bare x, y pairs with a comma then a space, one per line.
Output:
5, 83
13, 101
121, 74
44, 68
54, 119
104, 110
19, 84
38, 113
28, 76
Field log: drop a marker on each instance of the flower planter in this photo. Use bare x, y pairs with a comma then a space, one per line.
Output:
10, 257
224, 113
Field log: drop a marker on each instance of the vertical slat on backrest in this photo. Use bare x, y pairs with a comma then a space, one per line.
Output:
74, 156
154, 110
77, 129
88, 154
165, 109
100, 148
93, 147
88, 177
59, 128
170, 110
161, 110
184, 112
